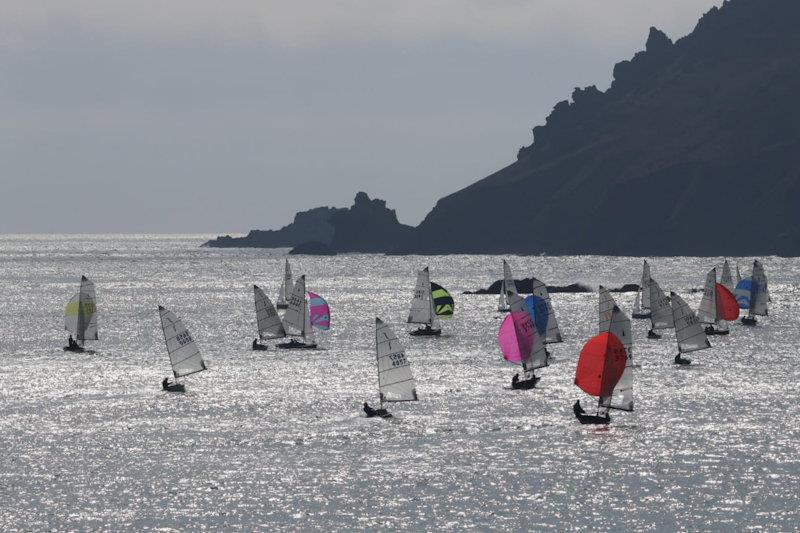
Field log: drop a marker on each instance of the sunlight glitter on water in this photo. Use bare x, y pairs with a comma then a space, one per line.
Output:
277, 440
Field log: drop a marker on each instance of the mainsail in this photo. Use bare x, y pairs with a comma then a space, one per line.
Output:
443, 303
507, 287
286, 286
622, 396
688, 330
553, 333
80, 315
269, 323
183, 352
645, 286
294, 320
759, 294
395, 381
605, 309
707, 312
320, 312
726, 278
661, 313
422, 304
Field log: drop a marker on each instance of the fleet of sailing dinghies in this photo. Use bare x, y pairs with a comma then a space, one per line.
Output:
688, 331
422, 308
297, 319
395, 380
753, 294
717, 307
507, 287
286, 287
184, 356
521, 343
553, 333
660, 311
268, 322
80, 317
641, 308
601, 364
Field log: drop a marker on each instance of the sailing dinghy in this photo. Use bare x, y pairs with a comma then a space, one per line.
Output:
268, 322
617, 322
752, 294
184, 356
286, 287
688, 330
601, 364
621, 397
553, 333
422, 309
641, 308
660, 311
80, 317
507, 287
717, 307
297, 319
521, 343
395, 380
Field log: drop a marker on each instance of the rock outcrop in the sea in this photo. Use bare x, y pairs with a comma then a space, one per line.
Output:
525, 286
368, 226
693, 150
312, 225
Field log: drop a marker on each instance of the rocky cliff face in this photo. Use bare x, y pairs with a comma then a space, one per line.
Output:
311, 225
692, 150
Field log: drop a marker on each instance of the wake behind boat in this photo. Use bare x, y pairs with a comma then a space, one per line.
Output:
80, 317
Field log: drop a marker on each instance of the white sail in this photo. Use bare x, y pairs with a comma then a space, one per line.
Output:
553, 333
269, 323
738, 274
622, 396
688, 330
537, 357
183, 352
281, 296
288, 285
707, 312
293, 320
660, 310
395, 380
727, 278
308, 331
422, 304
645, 286
508, 278
80, 315
637, 309
605, 309
759, 293
502, 301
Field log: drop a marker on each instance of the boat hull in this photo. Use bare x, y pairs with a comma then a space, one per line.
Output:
747, 321
593, 419
422, 332
294, 345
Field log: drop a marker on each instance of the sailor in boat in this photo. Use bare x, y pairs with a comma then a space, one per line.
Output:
524, 384
165, 383
258, 346
583, 418
172, 387
682, 361
71, 344
370, 412
652, 334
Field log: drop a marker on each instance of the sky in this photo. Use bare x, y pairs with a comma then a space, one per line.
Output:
204, 116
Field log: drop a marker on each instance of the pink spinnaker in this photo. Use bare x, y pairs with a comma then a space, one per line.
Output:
515, 336
319, 311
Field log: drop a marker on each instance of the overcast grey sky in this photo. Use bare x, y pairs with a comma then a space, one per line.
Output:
207, 116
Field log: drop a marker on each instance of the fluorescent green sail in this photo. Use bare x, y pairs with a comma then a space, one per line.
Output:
443, 303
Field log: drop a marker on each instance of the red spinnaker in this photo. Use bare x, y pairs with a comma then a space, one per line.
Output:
727, 307
600, 365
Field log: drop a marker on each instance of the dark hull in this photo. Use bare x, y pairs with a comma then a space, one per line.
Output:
294, 345
711, 331
593, 419
681, 361
380, 413
282, 306
75, 349
175, 387
260, 348
423, 332
653, 335
526, 384
640, 315
747, 321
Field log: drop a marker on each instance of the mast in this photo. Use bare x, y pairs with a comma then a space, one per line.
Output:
645, 285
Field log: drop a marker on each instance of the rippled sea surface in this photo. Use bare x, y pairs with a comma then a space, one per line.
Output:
276, 440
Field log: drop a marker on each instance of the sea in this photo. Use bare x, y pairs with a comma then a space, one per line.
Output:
276, 440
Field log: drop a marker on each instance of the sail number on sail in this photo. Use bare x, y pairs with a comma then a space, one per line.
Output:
183, 338
398, 359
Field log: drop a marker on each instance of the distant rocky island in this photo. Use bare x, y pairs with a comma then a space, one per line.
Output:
693, 150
